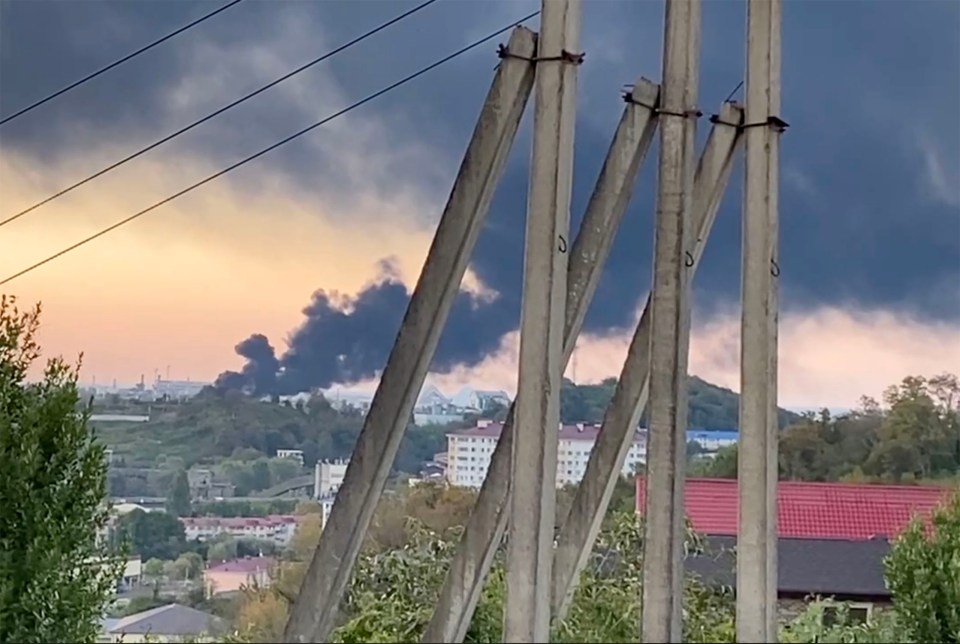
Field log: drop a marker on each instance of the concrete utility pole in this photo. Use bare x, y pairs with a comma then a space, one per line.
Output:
757, 533
669, 324
582, 525
315, 611
537, 413
604, 212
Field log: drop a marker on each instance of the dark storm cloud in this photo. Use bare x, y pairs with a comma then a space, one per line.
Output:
870, 170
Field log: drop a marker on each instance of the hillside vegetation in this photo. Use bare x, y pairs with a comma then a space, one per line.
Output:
219, 425
710, 406
913, 436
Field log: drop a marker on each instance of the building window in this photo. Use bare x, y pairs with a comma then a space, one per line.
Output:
856, 613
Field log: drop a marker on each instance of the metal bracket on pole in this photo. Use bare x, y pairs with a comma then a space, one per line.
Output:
314, 613
582, 524
608, 203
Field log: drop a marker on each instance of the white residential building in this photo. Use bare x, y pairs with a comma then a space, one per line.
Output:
328, 477
326, 506
278, 528
469, 452
294, 454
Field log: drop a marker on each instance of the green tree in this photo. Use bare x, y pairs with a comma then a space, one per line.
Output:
221, 550
153, 568
923, 573
153, 535
56, 573
192, 564
178, 500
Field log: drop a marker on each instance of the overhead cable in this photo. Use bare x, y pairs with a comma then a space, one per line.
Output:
218, 112
119, 62
264, 151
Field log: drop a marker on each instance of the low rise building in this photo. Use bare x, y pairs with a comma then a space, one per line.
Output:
278, 528
204, 485
833, 537
293, 454
234, 575
170, 623
469, 452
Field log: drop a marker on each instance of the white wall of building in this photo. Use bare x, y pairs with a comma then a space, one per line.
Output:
469, 453
277, 528
328, 477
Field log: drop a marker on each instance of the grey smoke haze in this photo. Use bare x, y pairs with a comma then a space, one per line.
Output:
870, 199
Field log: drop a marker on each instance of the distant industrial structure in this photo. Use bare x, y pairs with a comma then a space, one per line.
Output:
159, 389
435, 408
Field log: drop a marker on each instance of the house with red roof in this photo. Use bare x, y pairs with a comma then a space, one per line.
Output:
233, 575
833, 537
809, 510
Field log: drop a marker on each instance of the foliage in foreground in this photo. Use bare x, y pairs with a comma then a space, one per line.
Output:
396, 583
394, 591
55, 576
923, 573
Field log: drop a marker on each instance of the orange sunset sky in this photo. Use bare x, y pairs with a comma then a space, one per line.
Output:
181, 286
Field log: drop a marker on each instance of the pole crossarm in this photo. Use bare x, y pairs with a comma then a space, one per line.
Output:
316, 608
488, 520
585, 517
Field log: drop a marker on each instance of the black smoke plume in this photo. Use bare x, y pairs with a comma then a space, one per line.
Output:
344, 340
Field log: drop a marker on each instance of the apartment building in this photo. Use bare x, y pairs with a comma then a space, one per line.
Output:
469, 452
278, 528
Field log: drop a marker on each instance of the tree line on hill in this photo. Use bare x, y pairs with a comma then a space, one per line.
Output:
913, 436
227, 426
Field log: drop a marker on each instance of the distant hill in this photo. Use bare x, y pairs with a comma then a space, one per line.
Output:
710, 406
216, 425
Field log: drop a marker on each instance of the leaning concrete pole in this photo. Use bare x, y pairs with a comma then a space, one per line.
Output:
757, 533
663, 542
582, 525
315, 610
608, 203
537, 414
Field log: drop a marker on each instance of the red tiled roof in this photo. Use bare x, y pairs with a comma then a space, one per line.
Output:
811, 510
247, 564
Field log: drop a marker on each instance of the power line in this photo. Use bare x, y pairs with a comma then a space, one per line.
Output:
220, 111
276, 145
119, 62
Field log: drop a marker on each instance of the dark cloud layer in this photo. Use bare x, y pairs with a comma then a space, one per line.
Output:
870, 197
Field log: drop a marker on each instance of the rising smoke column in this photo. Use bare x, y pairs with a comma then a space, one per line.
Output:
343, 340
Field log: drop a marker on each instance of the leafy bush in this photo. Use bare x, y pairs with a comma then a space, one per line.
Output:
923, 573
56, 573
